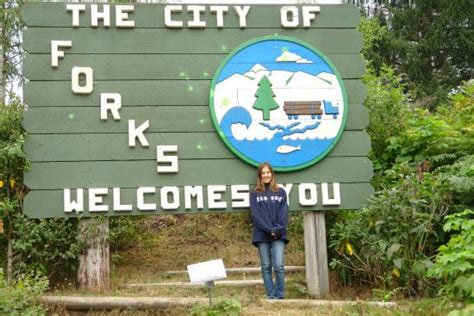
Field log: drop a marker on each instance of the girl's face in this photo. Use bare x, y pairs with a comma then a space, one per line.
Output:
266, 175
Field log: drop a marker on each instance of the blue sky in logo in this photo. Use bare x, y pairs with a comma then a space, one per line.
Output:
266, 53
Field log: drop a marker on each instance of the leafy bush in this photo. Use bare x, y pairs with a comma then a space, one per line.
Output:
12, 164
388, 112
389, 244
439, 138
46, 245
460, 176
424, 173
224, 307
12, 157
21, 297
430, 138
455, 261
124, 231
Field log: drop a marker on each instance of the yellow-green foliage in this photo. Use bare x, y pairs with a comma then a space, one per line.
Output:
225, 307
20, 298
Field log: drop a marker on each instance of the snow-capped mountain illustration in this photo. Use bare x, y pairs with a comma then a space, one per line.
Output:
239, 90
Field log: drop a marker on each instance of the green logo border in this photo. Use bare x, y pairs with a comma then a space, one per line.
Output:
221, 132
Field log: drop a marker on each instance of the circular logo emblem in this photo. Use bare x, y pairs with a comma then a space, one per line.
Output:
278, 99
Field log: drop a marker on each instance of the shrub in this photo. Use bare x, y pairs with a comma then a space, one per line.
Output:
46, 245
389, 244
388, 112
21, 297
425, 172
454, 264
439, 138
224, 307
124, 231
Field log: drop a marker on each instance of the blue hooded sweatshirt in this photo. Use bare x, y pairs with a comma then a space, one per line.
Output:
269, 214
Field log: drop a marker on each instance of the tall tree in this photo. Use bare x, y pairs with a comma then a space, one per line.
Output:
430, 43
265, 101
12, 52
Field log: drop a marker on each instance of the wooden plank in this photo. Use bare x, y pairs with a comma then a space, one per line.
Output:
58, 175
322, 253
186, 284
241, 270
152, 15
175, 41
114, 147
316, 259
152, 67
71, 120
308, 111
142, 92
311, 262
49, 203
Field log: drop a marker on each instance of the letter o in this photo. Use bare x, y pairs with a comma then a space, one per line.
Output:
313, 196
89, 75
285, 22
166, 204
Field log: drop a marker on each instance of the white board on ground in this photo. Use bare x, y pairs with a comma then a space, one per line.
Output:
203, 272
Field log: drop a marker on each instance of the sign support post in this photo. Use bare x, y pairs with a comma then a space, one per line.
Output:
94, 261
316, 259
209, 286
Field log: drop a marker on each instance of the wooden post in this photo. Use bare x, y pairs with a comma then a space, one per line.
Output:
94, 261
317, 277
10, 260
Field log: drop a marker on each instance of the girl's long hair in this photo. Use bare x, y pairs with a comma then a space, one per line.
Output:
260, 186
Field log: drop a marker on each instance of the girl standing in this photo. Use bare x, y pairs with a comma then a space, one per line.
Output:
269, 209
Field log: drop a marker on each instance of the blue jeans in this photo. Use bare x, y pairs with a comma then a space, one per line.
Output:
272, 254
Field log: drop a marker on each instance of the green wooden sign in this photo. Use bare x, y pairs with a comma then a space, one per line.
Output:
128, 106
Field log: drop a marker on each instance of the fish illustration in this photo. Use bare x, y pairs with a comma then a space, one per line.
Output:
286, 149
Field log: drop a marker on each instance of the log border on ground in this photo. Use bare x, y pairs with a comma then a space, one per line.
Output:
242, 270
302, 302
237, 283
116, 302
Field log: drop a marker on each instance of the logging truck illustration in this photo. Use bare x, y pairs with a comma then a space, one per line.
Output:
313, 108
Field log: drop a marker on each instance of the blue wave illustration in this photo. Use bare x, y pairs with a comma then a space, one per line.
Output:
266, 149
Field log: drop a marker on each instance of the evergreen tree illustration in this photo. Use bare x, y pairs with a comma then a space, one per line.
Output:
265, 101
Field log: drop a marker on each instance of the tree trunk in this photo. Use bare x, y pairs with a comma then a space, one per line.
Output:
10, 261
93, 273
2, 76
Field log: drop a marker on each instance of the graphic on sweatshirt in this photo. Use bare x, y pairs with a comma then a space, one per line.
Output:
278, 99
